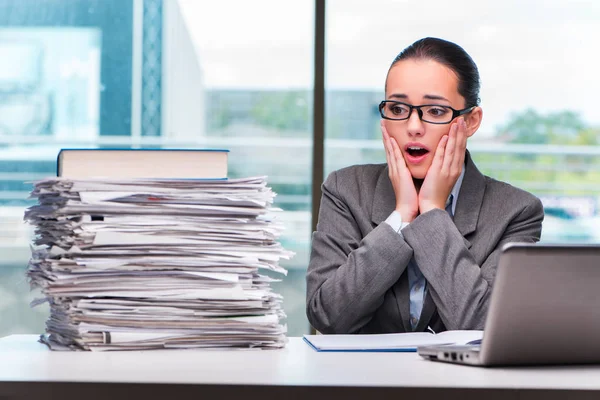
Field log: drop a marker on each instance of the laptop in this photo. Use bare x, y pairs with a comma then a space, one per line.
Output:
545, 309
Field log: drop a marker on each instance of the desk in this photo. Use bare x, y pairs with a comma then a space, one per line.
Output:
29, 370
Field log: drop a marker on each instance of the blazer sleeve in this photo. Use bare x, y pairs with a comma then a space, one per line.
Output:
460, 288
348, 274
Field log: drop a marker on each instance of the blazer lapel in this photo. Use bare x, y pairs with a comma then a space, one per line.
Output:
426, 313
401, 291
384, 198
470, 198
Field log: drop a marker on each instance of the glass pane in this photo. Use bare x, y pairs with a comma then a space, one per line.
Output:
256, 78
68, 81
154, 73
540, 127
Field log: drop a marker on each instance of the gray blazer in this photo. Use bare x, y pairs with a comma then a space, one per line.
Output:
357, 280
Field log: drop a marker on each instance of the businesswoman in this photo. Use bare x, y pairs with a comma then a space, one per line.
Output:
413, 244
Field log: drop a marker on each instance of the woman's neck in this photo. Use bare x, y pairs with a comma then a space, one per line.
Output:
418, 183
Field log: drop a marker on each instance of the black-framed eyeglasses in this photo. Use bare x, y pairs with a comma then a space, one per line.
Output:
430, 113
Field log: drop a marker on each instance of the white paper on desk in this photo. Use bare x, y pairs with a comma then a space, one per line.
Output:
167, 185
190, 304
133, 220
390, 341
99, 197
233, 231
151, 311
179, 196
119, 238
127, 337
142, 277
236, 293
99, 207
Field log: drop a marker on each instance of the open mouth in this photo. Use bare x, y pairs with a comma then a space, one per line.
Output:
415, 151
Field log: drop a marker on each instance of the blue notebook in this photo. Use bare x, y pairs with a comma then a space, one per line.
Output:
390, 342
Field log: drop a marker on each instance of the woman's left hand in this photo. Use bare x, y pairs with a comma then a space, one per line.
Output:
445, 169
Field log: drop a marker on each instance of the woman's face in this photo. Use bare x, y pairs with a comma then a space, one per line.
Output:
417, 82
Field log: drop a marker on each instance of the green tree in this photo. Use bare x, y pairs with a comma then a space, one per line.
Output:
587, 137
286, 111
220, 118
557, 128
531, 127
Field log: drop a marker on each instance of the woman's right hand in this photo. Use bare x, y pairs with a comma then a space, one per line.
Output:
407, 199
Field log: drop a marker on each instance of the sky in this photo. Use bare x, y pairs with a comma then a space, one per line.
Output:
530, 54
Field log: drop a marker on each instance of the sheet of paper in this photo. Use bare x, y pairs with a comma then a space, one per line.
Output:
390, 341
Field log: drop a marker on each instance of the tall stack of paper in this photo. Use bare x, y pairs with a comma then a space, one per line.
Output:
157, 263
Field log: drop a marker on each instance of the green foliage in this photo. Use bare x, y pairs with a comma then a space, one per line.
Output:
586, 137
285, 111
560, 174
552, 174
531, 127
221, 118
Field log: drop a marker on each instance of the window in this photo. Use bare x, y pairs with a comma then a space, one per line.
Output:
152, 73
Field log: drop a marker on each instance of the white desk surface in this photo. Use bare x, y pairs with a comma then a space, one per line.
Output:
23, 359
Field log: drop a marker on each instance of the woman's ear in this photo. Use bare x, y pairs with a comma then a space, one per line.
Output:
473, 120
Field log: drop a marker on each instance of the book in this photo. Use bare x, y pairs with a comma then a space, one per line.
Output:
142, 163
388, 342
